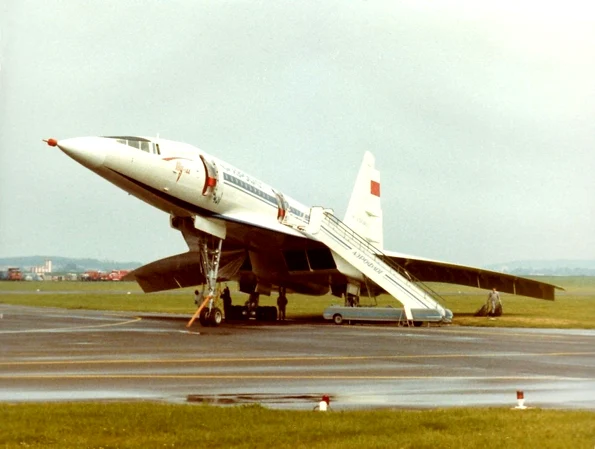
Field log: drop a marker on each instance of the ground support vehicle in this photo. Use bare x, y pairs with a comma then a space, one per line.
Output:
340, 314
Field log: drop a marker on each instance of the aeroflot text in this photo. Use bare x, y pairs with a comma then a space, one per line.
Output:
367, 261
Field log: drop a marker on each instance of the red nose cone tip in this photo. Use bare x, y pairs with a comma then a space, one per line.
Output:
51, 142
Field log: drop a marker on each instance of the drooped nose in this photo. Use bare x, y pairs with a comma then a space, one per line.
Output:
88, 151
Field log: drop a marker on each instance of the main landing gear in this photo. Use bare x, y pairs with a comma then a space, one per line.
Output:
251, 310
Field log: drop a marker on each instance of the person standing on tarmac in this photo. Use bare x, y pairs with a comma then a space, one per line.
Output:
282, 304
226, 298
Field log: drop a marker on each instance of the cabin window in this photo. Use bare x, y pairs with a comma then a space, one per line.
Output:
139, 143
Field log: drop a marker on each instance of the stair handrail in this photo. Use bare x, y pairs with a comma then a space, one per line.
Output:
351, 234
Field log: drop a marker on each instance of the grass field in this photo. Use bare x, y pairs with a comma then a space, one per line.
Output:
573, 308
130, 425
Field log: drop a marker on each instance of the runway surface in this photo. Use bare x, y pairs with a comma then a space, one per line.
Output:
57, 355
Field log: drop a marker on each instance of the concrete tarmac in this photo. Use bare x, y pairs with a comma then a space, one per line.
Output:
64, 355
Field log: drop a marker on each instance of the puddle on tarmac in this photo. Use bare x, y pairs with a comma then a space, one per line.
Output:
235, 399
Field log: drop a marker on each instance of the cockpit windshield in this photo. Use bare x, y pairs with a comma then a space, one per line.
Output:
139, 143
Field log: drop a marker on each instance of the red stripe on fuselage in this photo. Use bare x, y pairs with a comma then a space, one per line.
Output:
175, 158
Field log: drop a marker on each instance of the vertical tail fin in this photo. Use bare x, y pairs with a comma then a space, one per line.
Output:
364, 212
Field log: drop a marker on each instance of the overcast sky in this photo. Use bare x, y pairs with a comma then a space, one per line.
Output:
481, 116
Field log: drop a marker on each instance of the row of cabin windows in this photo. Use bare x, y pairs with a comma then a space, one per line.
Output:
249, 188
269, 198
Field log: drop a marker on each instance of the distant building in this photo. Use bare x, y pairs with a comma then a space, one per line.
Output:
41, 269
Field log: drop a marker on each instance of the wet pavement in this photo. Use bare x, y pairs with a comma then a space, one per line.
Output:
56, 355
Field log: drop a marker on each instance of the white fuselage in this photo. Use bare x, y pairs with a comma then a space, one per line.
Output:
173, 177
192, 186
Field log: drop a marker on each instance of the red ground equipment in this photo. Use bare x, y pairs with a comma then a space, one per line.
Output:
15, 274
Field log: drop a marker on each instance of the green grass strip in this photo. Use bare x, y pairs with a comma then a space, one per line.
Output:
149, 425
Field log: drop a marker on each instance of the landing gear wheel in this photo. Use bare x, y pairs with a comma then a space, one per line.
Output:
266, 313
272, 313
204, 317
338, 318
215, 317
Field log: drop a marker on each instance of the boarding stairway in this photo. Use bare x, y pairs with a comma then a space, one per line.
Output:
419, 301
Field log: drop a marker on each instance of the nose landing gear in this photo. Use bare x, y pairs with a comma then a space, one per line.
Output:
210, 255
213, 317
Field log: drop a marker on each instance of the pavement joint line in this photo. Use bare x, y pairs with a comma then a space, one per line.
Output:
58, 329
490, 332
282, 377
291, 359
189, 332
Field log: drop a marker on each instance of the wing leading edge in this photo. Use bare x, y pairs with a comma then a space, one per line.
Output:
182, 270
426, 270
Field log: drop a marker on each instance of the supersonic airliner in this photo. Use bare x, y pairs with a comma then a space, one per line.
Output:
239, 228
